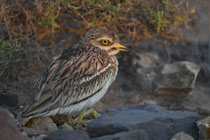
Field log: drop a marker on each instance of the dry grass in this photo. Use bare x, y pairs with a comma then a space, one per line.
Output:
134, 20
36, 23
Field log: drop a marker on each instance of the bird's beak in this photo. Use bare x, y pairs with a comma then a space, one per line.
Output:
120, 47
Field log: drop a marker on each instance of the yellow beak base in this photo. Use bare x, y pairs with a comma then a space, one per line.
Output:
120, 47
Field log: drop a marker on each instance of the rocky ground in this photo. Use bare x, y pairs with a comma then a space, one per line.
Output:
160, 94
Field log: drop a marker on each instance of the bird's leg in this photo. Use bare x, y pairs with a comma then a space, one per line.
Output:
79, 120
93, 112
70, 120
83, 114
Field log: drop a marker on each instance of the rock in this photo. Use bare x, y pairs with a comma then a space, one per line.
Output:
145, 59
135, 99
44, 125
40, 137
24, 134
198, 100
8, 128
30, 132
177, 79
66, 135
159, 123
182, 136
8, 100
130, 135
148, 77
33, 134
204, 127
66, 126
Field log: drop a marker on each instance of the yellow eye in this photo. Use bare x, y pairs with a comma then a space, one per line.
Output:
105, 42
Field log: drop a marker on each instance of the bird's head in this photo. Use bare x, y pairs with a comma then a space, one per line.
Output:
105, 40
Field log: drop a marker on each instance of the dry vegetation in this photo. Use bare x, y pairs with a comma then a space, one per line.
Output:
29, 28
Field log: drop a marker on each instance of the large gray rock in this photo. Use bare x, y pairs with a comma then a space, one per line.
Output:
175, 79
159, 123
66, 135
8, 128
130, 135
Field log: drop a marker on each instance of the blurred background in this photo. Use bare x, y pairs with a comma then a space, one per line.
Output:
171, 40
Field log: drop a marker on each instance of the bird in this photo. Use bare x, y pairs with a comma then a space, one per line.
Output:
78, 77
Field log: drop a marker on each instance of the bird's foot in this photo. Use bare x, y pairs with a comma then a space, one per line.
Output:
80, 119
93, 112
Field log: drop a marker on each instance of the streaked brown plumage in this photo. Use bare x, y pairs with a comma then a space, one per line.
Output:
78, 77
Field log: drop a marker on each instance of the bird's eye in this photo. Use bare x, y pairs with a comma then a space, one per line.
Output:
105, 42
